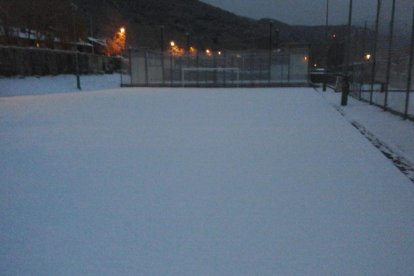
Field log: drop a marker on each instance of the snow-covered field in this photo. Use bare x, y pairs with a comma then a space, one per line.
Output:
196, 182
56, 84
389, 128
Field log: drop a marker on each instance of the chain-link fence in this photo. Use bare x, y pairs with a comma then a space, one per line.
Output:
287, 66
36, 61
381, 54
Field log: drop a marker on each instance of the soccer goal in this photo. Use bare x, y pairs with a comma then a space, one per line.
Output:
210, 75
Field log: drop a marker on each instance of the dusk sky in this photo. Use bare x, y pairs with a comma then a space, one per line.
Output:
312, 12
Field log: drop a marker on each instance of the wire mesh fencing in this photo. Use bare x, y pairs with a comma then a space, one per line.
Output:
222, 69
381, 66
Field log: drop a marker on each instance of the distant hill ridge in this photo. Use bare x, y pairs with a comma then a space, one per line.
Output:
208, 26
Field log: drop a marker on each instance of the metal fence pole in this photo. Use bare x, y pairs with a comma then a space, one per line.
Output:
288, 71
162, 54
270, 51
345, 80
171, 70
364, 42
232, 66
374, 54
77, 71
410, 68
198, 65
130, 66
146, 69
388, 72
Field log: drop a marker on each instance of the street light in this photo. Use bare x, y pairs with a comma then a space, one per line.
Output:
122, 30
172, 43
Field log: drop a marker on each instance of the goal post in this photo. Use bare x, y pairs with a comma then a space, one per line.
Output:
223, 70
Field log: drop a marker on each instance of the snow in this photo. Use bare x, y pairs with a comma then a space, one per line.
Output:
391, 129
148, 181
56, 84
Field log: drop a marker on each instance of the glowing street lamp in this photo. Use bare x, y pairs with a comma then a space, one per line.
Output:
367, 57
219, 53
122, 30
172, 43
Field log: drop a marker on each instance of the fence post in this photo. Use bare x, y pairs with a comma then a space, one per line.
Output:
345, 78
130, 65
374, 54
288, 69
171, 70
364, 42
78, 85
388, 73
410, 68
198, 65
162, 55
270, 51
146, 69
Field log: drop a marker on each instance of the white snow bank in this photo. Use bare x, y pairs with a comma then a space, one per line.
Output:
56, 84
196, 182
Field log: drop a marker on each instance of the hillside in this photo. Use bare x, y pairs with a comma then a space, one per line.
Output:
208, 26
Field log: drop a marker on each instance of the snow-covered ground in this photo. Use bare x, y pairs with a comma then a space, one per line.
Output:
196, 182
395, 132
56, 84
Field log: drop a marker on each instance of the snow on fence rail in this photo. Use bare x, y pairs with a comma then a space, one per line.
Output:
286, 67
36, 61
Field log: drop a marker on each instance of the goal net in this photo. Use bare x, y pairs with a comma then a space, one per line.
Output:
192, 76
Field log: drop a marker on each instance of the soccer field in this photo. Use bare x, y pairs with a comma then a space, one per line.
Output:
154, 181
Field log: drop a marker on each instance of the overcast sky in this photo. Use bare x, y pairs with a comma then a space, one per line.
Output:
312, 12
